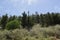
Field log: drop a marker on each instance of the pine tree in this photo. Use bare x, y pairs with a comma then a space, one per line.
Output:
49, 18
0, 21
24, 20
33, 19
30, 23
4, 21
37, 18
11, 18
19, 18
42, 20
53, 18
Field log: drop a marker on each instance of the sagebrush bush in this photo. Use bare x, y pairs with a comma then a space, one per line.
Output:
36, 33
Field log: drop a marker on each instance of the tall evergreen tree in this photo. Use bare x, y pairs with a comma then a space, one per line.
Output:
19, 18
37, 18
11, 18
4, 21
33, 19
0, 21
24, 20
30, 23
49, 18
53, 18
42, 20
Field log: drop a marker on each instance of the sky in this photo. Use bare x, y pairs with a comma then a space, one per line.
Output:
17, 7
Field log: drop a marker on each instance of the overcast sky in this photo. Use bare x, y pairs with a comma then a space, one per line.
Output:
16, 7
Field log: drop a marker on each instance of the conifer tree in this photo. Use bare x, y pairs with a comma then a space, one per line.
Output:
42, 20
24, 20
4, 21
37, 18
30, 23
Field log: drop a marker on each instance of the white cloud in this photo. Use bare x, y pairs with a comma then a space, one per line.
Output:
29, 2
19, 3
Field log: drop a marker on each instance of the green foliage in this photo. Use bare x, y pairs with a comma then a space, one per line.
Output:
19, 18
4, 20
49, 19
35, 32
24, 20
11, 18
27, 21
0, 21
12, 25
37, 18
42, 20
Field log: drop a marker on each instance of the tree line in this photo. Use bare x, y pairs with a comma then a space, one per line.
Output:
27, 21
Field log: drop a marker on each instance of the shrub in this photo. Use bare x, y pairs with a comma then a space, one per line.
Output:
36, 33
12, 25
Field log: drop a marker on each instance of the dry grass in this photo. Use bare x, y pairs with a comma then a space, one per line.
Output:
36, 33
